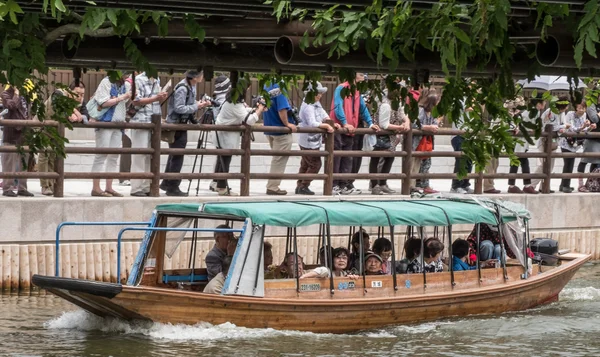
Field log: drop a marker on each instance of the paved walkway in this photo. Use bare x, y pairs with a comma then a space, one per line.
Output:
82, 188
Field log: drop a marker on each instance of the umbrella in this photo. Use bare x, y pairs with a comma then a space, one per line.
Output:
550, 83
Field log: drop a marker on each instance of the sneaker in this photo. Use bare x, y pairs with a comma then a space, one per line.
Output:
177, 192
459, 190
125, 183
304, 191
9, 193
429, 190
226, 192
514, 189
566, 189
530, 190
46, 191
336, 190
350, 191
376, 190
386, 189
279, 192
492, 191
140, 194
213, 186
24, 193
469, 190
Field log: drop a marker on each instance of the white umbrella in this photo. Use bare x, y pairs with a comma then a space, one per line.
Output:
550, 83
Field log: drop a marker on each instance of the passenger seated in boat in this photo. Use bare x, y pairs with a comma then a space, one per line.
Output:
460, 253
412, 249
215, 286
373, 264
225, 244
287, 269
355, 256
340, 264
489, 244
270, 269
433, 248
323, 255
383, 247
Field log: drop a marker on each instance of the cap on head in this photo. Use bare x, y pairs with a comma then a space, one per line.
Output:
320, 88
371, 254
222, 85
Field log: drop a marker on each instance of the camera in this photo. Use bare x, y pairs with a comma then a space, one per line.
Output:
213, 103
293, 116
256, 100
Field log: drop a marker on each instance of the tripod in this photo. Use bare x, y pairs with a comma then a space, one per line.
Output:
202, 141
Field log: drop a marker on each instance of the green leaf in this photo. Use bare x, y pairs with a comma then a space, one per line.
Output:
590, 46
58, 4
163, 28
112, 16
578, 56
461, 35
350, 29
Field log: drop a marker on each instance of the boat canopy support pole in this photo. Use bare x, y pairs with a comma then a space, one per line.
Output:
361, 262
526, 245
423, 257
259, 268
295, 240
477, 251
321, 235
451, 255
193, 255
501, 237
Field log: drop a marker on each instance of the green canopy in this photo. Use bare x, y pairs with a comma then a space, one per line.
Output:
420, 212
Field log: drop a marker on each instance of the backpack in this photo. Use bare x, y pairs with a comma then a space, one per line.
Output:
593, 183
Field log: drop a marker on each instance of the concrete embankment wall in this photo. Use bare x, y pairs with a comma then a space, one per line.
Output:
29, 225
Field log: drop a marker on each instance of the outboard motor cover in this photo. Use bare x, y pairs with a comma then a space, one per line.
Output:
545, 250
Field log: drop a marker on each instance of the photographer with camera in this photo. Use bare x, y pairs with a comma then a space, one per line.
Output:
233, 112
277, 115
182, 109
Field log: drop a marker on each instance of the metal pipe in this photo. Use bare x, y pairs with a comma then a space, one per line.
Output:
478, 254
296, 263
362, 260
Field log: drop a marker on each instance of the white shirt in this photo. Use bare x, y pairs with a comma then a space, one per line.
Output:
232, 114
311, 116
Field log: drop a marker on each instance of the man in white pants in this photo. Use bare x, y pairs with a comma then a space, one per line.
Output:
147, 102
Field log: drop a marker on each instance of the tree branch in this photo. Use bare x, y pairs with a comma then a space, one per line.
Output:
74, 29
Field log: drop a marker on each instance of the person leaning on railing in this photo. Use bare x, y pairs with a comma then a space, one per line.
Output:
312, 115
18, 109
576, 122
591, 145
47, 159
522, 147
424, 142
181, 110
232, 113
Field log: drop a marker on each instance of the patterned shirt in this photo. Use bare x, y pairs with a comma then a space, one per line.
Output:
424, 119
577, 126
385, 115
415, 266
145, 88
103, 95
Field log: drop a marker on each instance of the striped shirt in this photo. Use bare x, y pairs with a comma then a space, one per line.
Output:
145, 88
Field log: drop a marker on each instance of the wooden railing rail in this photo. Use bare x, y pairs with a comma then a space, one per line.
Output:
246, 153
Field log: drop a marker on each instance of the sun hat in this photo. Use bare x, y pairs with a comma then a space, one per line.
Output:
320, 88
222, 85
371, 254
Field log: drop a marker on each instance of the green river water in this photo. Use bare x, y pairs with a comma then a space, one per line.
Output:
42, 325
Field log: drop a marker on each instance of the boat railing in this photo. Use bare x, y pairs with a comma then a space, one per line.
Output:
63, 224
164, 229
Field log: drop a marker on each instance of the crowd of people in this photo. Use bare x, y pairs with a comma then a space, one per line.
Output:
419, 256
114, 101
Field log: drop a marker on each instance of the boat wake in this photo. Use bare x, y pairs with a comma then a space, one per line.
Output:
578, 294
83, 321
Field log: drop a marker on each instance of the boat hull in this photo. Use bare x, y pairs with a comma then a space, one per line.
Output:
332, 315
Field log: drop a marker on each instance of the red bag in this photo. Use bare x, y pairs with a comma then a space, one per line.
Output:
426, 143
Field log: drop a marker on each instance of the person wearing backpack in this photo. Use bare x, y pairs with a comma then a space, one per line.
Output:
146, 104
182, 109
109, 104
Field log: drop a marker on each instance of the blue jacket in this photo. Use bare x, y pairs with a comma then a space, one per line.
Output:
458, 265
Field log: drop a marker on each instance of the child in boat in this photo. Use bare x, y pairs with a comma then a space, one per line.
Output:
215, 286
433, 248
340, 264
460, 252
383, 247
373, 264
412, 249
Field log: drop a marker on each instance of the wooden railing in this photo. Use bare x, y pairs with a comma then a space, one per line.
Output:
246, 152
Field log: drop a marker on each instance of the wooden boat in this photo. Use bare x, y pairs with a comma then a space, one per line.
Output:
334, 304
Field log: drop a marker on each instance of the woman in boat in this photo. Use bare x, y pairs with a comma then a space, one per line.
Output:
355, 256
340, 266
373, 264
412, 249
287, 269
383, 247
433, 248
489, 244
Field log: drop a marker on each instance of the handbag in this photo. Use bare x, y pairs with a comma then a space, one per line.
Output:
426, 143
369, 142
95, 111
383, 142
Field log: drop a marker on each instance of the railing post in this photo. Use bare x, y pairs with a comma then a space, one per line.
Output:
328, 168
59, 167
548, 160
407, 162
245, 161
479, 183
155, 160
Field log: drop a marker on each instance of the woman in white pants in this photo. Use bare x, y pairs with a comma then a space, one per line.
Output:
113, 96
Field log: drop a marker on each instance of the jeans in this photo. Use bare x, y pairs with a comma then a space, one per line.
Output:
524, 163
386, 167
223, 166
567, 168
357, 145
424, 169
175, 162
140, 163
489, 250
309, 165
11, 162
457, 142
342, 165
125, 160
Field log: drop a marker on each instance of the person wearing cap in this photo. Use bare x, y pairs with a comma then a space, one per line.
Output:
277, 115
232, 113
147, 103
373, 264
182, 108
557, 121
222, 88
311, 115
347, 111
115, 97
